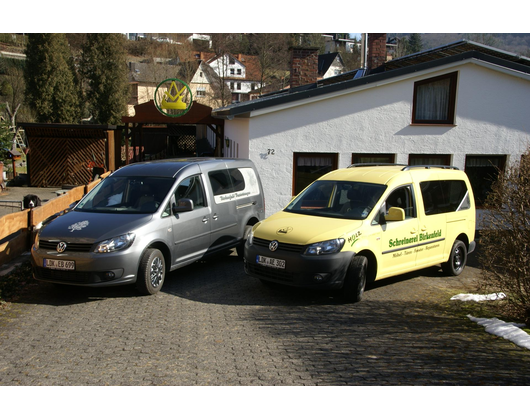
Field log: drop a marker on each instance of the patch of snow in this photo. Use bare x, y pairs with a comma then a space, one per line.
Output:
478, 298
507, 330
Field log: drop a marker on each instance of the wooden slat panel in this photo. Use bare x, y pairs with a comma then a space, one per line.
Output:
14, 247
13, 222
55, 205
14, 233
56, 161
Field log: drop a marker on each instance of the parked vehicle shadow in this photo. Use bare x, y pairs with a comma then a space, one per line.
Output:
219, 280
222, 280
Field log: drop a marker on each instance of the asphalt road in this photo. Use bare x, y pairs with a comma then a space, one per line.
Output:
213, 325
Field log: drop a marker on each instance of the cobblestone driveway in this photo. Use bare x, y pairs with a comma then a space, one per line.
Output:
212, 325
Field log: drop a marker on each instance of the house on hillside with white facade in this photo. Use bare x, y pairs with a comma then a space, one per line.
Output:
330, 65
462, 104
239, 73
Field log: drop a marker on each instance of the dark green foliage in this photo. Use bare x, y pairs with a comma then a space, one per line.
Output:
105, 69
415, 44
5, 140
51, 87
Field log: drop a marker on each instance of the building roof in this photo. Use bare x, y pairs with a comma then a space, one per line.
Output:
452, 49
425, 60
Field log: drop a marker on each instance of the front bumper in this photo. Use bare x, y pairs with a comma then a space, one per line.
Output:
91, 269
315, 272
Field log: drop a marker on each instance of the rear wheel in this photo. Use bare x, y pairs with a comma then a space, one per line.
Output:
355, 280
457, 260
152, 272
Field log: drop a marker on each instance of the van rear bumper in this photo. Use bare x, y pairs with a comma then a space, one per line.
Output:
315, 272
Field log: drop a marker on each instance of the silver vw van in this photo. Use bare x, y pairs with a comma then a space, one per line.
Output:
149, 218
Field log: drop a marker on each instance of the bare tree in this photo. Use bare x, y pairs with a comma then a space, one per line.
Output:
272, 51
505, 239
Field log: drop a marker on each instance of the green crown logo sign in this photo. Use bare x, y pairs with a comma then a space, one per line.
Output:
173, 97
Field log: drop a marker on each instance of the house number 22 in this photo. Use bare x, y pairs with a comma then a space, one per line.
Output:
270, 151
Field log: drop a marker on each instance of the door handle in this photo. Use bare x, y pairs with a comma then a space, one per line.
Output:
205, 220
215, 217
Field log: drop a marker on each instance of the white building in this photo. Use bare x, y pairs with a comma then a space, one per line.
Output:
239, 73
463, 104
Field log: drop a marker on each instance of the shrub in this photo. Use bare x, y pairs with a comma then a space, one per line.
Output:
505, 242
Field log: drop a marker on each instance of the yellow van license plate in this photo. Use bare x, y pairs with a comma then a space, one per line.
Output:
270, 262
59, 264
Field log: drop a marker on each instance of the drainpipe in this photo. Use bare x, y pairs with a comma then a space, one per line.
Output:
364, 51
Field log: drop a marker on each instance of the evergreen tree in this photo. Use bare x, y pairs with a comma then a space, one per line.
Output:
415, 43
51, 87
105, 69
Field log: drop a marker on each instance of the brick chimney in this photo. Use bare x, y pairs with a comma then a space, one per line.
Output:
304, 66
376, 50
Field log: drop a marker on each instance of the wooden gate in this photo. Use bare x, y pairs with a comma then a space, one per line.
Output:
66, 155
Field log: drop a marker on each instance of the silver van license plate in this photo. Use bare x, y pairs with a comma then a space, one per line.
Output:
270, 262
59, 264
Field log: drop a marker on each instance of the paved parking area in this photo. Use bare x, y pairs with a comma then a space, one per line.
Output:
212, 325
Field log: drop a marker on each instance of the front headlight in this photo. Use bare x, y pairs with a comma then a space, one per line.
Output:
326, 247
117, 243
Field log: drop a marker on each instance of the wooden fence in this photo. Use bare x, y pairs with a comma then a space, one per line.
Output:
17, 230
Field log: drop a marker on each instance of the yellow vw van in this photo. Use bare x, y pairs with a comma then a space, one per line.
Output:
364, 223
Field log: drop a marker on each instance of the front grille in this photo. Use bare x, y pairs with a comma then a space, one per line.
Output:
70, 246
281, 247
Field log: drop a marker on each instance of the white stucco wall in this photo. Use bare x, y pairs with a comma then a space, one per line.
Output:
491, 118
237, 133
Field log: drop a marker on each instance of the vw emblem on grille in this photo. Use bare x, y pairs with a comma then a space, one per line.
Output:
61, 247
273, 246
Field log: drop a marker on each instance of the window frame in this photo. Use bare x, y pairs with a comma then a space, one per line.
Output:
411, 211
445, 157
436, 196
360, 156
334, 165
453, 78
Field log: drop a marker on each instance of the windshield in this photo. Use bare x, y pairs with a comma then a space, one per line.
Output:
339, 199
126, 195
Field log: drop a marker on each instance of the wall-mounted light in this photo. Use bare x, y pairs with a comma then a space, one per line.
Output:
227, 140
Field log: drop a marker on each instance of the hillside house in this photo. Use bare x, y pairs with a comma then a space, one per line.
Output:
239, 73
330, 65
462, 104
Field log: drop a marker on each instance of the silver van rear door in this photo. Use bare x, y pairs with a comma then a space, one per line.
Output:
224, 230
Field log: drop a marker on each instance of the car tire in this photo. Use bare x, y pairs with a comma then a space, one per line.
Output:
355, 280
152, 272
240, 248
457, 259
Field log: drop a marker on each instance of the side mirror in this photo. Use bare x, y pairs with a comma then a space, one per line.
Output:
183, 205
395, 214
